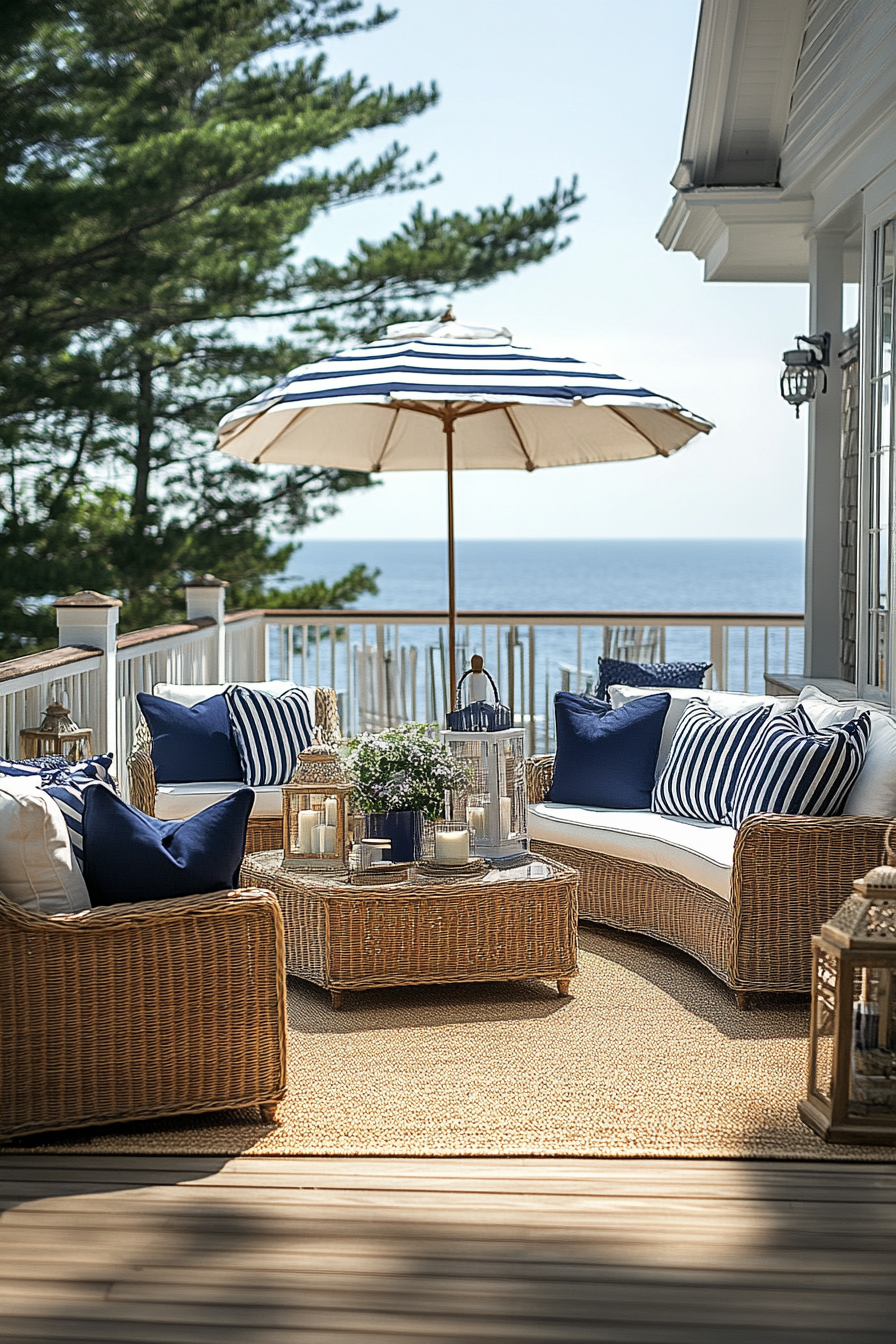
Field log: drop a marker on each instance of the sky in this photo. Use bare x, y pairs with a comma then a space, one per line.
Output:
532, 92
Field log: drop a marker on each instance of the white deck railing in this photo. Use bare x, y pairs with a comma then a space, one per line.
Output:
391, 666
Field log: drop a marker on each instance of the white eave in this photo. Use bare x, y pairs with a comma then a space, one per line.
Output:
741, 233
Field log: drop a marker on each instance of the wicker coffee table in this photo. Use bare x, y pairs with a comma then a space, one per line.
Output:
509, 924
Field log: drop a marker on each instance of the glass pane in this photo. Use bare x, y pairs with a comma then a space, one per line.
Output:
888, 231
883, 569
873, 1064
885, 412
886, 328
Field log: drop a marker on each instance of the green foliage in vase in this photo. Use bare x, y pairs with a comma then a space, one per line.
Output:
407, 768
161, 163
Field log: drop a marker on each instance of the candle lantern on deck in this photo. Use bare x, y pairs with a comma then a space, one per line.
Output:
58, 735
493, 803
317, 823
851, 1095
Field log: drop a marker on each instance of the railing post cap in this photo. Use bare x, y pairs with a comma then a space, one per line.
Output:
206, 581
87, 598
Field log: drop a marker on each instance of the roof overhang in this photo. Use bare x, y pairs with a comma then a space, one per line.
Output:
741, 233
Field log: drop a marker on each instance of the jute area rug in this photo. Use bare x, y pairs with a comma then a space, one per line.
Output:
649, 1058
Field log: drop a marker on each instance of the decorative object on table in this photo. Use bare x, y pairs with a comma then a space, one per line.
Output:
492, 801
428, 870
58, 735
616, 672
381, 874
400, 779
851, 1095
479, 715
317, 824
368, 852
451, 843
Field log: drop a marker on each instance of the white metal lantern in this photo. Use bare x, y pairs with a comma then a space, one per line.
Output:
493, 804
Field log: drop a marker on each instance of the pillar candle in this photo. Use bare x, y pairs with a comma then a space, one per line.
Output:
307, 823
505, 818
477, 821
330, 811
317, 839
327, 839
452, 846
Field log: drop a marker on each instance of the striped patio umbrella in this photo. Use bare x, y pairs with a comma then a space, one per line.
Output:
441, 396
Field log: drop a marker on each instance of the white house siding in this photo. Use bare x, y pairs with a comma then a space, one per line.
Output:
843, 94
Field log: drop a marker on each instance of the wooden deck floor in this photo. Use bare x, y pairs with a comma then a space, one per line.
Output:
351, 1251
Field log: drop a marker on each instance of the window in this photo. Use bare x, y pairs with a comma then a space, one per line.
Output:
880, 447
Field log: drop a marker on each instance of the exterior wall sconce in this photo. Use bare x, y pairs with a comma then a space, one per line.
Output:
799, 381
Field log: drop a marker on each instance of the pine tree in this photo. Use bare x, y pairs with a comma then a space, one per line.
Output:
157, 177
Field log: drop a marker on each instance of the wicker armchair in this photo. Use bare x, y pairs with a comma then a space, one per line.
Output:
263, 832
790, 874
131, 1012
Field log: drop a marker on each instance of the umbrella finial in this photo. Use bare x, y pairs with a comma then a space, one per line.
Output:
448, 315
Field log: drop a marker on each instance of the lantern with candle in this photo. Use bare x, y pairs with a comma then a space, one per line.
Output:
493, 802
851, 1095
317, 828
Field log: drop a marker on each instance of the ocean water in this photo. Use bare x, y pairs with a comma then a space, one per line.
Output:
706, 576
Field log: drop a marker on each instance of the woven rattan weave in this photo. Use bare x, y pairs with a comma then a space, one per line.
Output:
130, 1012
790, 875
263, 832
516, 925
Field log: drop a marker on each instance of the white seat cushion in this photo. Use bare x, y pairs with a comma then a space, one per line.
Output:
699, 851
192, 695
176, 801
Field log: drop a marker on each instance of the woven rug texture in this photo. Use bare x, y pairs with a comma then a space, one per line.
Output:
649, 1058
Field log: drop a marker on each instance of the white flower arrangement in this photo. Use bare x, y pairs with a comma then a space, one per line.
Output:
403, 769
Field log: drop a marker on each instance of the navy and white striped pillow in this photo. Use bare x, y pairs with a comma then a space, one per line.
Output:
799, 770
705, 760
67, 786
270, 731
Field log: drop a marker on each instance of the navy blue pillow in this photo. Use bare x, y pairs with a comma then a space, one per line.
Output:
615, 672
606, 757
191, 744
129, 856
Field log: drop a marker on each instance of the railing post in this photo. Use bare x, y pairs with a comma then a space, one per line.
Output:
717, 655
205, 597
90, 619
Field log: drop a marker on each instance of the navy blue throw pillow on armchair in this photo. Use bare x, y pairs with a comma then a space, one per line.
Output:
606, 757
615, 672
129, 856
191, 744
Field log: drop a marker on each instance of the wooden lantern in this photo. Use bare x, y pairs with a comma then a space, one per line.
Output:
317, 824
851, 1094
58, 735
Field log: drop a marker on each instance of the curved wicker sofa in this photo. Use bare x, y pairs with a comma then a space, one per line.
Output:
131, 1012
790, 874
263, 832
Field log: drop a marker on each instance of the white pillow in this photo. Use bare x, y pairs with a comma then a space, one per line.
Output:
192, 695
723, 703
874, 792
37, 868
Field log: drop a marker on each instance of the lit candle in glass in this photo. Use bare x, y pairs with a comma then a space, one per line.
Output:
330, 806
452, 846
505, 818
477, 822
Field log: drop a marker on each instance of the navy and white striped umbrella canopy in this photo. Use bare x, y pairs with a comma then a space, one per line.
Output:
383, 407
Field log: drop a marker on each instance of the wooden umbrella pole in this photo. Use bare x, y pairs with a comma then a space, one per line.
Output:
452, 605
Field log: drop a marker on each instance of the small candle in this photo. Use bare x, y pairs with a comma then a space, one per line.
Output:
327, 839
452, 846
317, 840
477, 821
307, 823
330, 811
505, 818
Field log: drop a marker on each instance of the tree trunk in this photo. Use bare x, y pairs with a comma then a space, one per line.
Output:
142, 457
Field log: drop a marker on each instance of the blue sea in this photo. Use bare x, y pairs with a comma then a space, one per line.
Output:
730, 576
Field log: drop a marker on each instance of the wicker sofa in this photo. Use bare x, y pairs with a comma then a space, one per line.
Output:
788, 875
265, 830
132, 1012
